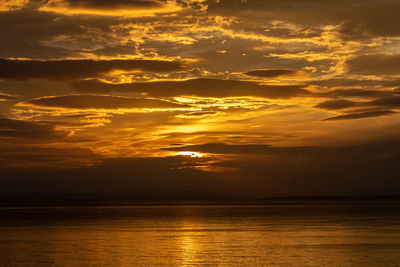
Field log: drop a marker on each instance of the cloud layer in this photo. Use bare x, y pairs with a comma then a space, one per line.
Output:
103, 102
77, 69
196, 87
277, 97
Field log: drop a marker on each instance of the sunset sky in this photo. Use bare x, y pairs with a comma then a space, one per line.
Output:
256, 97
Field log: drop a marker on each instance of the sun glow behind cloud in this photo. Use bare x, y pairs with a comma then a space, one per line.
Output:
190, 154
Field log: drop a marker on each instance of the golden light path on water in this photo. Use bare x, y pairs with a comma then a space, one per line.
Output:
332, 234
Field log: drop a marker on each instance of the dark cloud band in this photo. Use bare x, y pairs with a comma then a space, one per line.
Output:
271, 73
197, 87
78, 69
102, 102
361, 115
376, 64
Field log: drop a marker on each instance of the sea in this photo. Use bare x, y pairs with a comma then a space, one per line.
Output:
263, 233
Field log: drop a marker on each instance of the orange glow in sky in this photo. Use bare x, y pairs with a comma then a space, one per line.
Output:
279, 96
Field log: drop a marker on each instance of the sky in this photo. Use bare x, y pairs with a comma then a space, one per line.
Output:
266, 98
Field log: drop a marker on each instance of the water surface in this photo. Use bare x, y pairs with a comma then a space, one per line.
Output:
333, 233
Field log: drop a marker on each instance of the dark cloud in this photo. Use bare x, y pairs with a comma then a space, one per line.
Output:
36, 154
366, 89
225, 134
218, 137
81, 115
390, 101
357, 18
30, 132
366, 169
196, 114
376, 64
118, 4
222, 148
5, 96
113, 175
356, 93
343, 82
116, 50
358, 169
271, 73
62, 123
391, 146
102, 102
33, 51
77, 69
361, 115
33, 27
197, 87
336, 104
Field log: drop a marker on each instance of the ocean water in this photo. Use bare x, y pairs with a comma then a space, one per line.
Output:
332, 233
